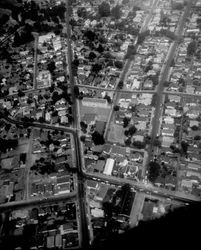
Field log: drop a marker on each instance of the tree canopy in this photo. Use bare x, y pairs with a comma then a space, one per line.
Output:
154, 171
104, 9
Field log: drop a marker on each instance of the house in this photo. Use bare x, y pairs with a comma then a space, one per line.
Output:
167, 141
99, 166
118, 151
168, 120
187, 184
160, 181
193, 166
102, 192
168, 132
92, 184
170, 181
170, 112
97, 212
138, 138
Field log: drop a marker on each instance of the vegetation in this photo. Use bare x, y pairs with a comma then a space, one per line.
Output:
104, 9
154, 171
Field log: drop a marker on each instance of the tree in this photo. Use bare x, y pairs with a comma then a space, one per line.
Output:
92, 55
51, 66
116, 12
177, 6
20, 93
184, 146
154, 100
82, 138
142, 36
194, 128
41, 119
128, 141
108, 98
132, 130
124, 2
191, 49
104, 9
157, 143
126, 121
197, 138
154, 171
139, 144
81, 12
83, 125
90, 35
76, 91
120, 85
126, 133
108, 208
118, 64
96, 68
116, 108
131, 51
100, 49
97, 138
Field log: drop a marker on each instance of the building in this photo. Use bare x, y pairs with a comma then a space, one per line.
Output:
109, 166
94, 102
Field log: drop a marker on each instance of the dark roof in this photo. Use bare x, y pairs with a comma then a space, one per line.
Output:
121, 151
107, 148
91, 183
100, 165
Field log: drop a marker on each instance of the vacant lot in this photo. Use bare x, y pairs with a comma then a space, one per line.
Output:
102, 113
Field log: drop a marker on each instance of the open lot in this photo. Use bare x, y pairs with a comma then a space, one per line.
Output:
102, 113
116, 133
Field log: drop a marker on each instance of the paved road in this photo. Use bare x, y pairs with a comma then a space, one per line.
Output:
81, 189
38, 201
162, 78
149, 16
29, 163
180, 196
35, 70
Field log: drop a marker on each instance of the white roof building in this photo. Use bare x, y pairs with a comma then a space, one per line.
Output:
109, 166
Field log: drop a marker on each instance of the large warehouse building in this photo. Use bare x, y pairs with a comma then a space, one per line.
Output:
109, 166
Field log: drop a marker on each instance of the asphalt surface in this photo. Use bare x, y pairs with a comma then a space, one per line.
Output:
163, 76
73, 131
84, 237
139, 186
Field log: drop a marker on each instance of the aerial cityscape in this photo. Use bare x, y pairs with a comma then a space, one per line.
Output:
100, 118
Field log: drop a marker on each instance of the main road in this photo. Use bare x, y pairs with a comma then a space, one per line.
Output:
139, 186
84, 237
163, 76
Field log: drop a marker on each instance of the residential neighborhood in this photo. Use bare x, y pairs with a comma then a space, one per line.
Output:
100, 118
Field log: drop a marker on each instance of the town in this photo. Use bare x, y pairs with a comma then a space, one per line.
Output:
100, 117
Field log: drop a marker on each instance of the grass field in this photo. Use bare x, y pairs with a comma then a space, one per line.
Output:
102, 113
116, 133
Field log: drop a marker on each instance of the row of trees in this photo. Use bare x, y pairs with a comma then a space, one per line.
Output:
104, 10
